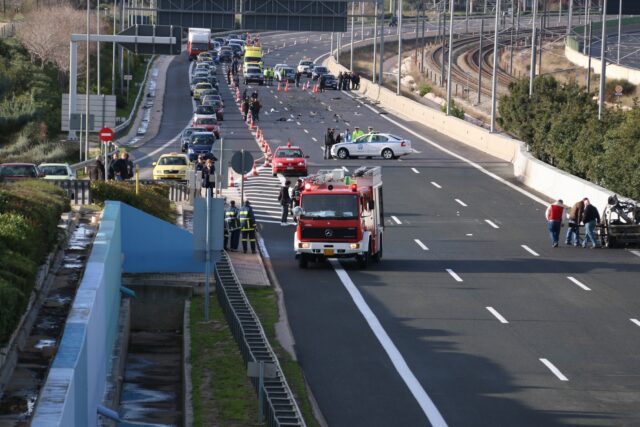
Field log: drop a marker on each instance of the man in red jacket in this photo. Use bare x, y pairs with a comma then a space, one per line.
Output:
554, 215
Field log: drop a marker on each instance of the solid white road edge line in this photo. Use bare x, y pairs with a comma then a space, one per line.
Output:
422, 245
497, 315
435, 184
421, 396
457, 156
461, 203
636, 253
491, 223
454, 275
577, 282
395, 218
636, 321
531, 251
553, 369
263, 248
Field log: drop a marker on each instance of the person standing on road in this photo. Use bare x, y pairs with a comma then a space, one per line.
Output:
232, 226
255, 109
297, 78
245, 109
322, 80
357, 132
265, 76
248, 227
129, 164
590, 217
554, 215
347, 135
229, 76
340, 78
573, 231
328, 142
347, 82
209, 178
285, 201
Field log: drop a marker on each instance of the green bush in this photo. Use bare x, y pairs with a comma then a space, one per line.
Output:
152, 199
455, 110
424, 89
29, 214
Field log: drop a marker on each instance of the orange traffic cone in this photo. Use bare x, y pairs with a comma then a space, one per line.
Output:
267, 161
254, 170
252, 125
249, 118
315, 88
279, 87
286, 86
231, 183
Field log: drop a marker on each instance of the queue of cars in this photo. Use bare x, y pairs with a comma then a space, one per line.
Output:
49, 171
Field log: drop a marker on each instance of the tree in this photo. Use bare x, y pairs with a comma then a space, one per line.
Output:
622, 156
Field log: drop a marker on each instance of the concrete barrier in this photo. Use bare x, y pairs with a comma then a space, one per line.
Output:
541, 177
614, 71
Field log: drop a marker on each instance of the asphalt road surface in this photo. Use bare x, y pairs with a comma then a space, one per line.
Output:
472, 318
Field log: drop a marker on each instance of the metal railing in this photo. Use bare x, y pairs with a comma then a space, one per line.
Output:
280, 407
79, 190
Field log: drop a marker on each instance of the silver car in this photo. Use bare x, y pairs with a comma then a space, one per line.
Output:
385, 145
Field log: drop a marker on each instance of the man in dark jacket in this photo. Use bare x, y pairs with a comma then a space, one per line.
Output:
248, 227
574, 217
285, 201
208, 178
328, 142
119, 168
96, 171
590, 217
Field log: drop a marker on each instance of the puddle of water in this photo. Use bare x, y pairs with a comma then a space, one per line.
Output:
81, 237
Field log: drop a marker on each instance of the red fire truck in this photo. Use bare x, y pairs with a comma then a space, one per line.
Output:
340, 216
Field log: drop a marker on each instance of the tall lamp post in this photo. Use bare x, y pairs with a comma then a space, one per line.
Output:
603, 60
494, 81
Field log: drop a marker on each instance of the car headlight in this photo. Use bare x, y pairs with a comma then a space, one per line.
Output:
304, 245
190, 150
301, 164
354, 245
280, 164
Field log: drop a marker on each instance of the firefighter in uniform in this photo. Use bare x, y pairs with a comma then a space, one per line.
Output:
231, 228
248, 227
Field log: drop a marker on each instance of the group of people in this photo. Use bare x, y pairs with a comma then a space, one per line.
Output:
289, 198
232, 73
119, 168
348, 81
332, 137
582, 212
267, 75
251, 105
239, 222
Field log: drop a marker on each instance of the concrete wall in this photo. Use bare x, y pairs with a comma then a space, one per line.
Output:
127, 240
537, 175
76, 380
614, 71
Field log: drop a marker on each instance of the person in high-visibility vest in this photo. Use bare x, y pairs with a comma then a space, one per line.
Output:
232, 228
357, 132
248, 227
265, 75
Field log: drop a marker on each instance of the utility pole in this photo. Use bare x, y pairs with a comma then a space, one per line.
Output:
513, 24
603, 60
98, 46
113, 49
444, 39
543, 25
380, 74
589, 63
121, 49
400, 47
480, 61
532, 70
86, 108
450, 57
466, 16
619, 30
422, 41
570, 18
587, 19
494, 81
361, 21
353, 21
375, 42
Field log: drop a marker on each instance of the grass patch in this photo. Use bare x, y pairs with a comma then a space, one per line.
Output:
222, 392
265, 304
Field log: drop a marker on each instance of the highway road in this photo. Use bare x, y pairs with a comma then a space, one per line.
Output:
472, 318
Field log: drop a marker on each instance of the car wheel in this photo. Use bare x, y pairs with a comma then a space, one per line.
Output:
343, 153
387, 154
377, 257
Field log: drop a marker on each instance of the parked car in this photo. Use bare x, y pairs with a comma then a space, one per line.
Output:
217, 105
171, 166
289, 160
195, 81
17, 171
253, 74
199, 88
386, 145
57, 171
318, 71
226, 54
305, 66
209, 124
330, 81
285, 74
215, 97
185, 137
201, 143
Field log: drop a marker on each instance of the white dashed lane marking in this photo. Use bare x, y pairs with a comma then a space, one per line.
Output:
454, 275
577, 282
395, 218
531, 251
422, 245
554, 370
491, 223
461, 203
435, 184
497, 315
415, 170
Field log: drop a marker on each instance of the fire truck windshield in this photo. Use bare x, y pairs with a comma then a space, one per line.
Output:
330, 206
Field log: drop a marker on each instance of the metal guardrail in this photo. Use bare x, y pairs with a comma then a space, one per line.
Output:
79, 190
279, 404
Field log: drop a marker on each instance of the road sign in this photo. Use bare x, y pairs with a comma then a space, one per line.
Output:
242, 162
106, 134
269, 370
619, 90
154, 45
128, 77
77, 122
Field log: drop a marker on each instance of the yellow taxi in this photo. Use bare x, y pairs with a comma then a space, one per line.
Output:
171, 166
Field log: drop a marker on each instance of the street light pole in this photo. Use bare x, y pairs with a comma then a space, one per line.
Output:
353, 21
569, 26
532, 70
399, 46
444, 39
86, 107
480, 61
113, 50
380, 74
494, 82
603, 60
619, 30
451, 4
98, 46
375, 43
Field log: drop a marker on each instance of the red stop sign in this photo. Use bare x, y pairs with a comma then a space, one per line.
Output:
106, 134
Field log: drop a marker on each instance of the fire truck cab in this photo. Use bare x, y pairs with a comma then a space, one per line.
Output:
340, 216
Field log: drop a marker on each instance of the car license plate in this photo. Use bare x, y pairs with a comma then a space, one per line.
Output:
328, 252
289, 167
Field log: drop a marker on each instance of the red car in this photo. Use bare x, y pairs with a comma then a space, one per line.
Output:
210, 124
15, 171
289, 160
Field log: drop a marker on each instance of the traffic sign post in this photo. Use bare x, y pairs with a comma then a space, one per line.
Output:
106, 134
242, 163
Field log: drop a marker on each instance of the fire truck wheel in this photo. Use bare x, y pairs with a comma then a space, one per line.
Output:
363, 260
303, 261
377, 257
387, 154
343, 153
